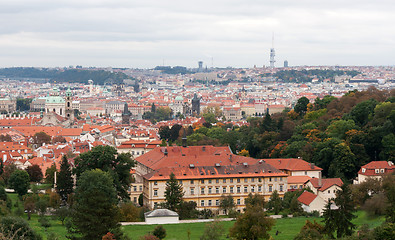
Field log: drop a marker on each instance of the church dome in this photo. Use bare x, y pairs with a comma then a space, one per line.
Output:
179, 98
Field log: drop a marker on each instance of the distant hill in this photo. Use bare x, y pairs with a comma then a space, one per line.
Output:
99, 77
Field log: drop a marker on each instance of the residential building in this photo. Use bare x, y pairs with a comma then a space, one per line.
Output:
206, 173
374, 169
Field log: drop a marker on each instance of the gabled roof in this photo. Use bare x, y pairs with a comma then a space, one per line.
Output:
370, 168
292, 164
325, 183
307, 197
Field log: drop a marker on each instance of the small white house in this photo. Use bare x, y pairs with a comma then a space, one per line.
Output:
161, 216
311, 202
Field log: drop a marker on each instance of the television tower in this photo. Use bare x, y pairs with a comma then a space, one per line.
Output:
272, 53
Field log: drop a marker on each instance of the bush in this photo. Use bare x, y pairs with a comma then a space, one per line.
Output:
129, 212
206, 214
17, 228
44, 222
159, 232
149, 237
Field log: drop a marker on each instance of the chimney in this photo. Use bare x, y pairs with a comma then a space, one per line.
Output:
319, 180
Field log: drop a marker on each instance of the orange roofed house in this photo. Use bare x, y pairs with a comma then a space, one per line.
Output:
206, 173
374, 169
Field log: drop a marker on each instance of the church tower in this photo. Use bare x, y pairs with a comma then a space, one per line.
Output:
126, 115
195, 105
69, 112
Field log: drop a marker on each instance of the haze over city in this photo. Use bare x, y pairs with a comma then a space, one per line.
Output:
144, 34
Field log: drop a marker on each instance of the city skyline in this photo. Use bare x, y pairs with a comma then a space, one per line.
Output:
222, 33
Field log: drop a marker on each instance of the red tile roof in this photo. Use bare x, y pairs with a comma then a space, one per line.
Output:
198, 155
292, 164
306, 197
231, 171
370, 168
298, 179
325, 183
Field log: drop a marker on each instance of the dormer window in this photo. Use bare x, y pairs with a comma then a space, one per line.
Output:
377, 170
363, 170
382, 170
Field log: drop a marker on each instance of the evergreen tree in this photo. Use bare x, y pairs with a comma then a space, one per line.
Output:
339, 218
64, 180
275, 202
95, 212
173, 193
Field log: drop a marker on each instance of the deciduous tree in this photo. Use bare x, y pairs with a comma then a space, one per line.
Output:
107, 159
35, 173
19, 181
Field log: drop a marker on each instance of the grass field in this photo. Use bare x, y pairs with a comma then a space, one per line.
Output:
287, 227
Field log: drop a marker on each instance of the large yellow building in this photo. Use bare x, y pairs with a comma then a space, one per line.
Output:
206, 173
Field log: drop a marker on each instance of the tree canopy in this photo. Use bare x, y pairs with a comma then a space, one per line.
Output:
107, 159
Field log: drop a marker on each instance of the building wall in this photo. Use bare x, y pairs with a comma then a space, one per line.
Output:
154, 191
161, 220
329, 193
312, 174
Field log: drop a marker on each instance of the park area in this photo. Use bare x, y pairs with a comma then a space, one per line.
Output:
284, 228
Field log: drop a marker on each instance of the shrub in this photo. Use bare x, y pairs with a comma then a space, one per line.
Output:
159, 232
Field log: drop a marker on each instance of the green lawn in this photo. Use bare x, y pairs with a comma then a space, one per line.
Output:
287, 227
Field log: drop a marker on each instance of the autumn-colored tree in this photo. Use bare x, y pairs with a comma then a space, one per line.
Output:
35, 173
40, 138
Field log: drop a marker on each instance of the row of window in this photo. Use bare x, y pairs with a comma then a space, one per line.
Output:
234, 189
231, 190
231, 180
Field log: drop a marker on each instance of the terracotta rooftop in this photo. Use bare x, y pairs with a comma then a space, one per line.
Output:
177, 156
306, 197
325, 183
377, 168
219, 171
292, 164
298, 179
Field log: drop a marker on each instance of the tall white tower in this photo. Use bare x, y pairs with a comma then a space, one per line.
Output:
272, 53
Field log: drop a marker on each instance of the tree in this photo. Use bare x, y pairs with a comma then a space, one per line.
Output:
35, 173
338, 218
29, 204
227, 203
64, 181
159, 232
107, 159
311, 231
95, 212
16, 228
301, 106
173, 193
50, 174
58, 139
129, 212
40, 138
213, 231
19, 181
275, 202
8, 170
389, 190
252, 225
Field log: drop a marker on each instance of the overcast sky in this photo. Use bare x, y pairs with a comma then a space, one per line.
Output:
238, 33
